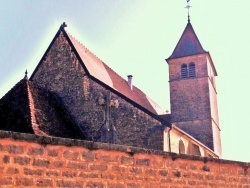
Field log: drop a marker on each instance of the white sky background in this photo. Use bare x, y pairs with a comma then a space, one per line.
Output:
135, 37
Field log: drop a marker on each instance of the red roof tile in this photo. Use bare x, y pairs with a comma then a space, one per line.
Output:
107, 76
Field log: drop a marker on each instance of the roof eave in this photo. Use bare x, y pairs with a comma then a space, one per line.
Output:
194, 139
170, 58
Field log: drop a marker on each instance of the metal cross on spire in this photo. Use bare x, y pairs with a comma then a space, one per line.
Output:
188, 7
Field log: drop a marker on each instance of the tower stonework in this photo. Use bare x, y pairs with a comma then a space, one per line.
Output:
193, 91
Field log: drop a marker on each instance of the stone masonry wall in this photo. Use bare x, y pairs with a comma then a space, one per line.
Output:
32, 161
85, 99
190, 99
190, 109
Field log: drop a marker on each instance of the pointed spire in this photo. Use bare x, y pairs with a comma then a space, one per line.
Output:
26, 75
188, 44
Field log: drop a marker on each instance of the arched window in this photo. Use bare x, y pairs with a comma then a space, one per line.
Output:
184, 71
195, 149
191, 70
181, 147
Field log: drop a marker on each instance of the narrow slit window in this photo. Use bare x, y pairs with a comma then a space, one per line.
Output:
181, 147
184, 71
192, 70
195, 150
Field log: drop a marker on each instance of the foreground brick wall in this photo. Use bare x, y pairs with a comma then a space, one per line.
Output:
31, 161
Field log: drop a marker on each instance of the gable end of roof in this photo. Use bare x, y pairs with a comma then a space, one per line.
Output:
105, 76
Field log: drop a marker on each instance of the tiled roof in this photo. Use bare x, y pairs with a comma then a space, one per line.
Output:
31, 109
14, 109
94, 65
99, 70
188, 44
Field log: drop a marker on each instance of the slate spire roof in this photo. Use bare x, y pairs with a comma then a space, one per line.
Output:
188, 44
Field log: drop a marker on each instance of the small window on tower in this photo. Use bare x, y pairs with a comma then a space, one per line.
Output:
184, 71
191, 70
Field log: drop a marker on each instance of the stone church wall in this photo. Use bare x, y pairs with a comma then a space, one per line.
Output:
86, 100
30, 161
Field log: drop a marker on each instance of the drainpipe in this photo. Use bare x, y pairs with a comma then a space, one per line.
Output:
169, 143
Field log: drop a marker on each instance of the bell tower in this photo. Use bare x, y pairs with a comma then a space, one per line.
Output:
193, 95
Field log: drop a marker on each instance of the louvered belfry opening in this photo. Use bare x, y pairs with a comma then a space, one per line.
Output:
191, 70
184, 71
188, 71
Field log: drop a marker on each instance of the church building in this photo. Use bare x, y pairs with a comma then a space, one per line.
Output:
74, 94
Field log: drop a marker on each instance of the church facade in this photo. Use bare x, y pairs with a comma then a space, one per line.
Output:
73, 94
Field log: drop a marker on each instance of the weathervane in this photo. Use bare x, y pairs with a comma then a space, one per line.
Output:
188, 7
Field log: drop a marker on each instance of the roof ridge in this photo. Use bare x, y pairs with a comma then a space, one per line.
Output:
89, 51
57, 102
31, 105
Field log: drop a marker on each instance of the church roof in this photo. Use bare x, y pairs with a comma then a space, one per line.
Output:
102, 73
188, 44
31, 109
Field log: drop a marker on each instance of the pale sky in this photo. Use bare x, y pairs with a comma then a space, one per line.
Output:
135, 37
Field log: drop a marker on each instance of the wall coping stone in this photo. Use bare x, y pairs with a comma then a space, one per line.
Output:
44, 140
